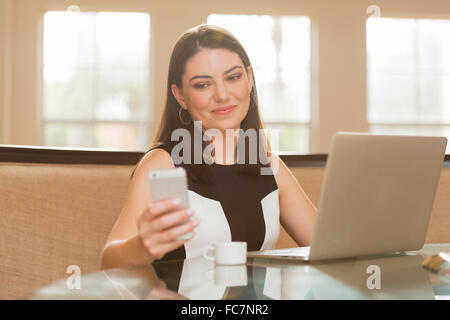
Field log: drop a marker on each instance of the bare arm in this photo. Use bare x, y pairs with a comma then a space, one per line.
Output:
141, 232
297, 212
124, 252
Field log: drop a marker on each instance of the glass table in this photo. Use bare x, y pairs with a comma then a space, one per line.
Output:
393, 276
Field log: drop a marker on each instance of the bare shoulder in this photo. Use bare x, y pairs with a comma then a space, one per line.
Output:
155, 159
278, 166
139, 188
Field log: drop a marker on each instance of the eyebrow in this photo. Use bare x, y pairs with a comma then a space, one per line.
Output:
209, 77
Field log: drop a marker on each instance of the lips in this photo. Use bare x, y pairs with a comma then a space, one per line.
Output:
224, 110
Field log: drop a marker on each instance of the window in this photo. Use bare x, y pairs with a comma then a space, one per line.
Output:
279, 50
408, 76
96, 79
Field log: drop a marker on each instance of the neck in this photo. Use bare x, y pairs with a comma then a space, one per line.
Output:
225, 147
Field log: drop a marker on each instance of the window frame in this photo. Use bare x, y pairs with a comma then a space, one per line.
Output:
144, 123
415, 125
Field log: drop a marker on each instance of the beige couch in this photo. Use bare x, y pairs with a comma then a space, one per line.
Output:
57, 208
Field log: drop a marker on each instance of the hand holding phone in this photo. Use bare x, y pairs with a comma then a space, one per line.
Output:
171, 183
161, 223
167, 222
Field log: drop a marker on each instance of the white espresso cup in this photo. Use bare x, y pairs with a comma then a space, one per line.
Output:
230, 253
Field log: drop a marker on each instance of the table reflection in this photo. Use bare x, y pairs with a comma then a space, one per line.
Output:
399, 276
140, 283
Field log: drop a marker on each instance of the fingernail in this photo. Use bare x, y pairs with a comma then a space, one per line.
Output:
196, 221
190, 212
176, 201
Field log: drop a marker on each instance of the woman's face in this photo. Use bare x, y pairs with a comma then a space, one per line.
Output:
215, 89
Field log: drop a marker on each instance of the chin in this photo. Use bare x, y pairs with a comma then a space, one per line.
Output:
226, 123
229, 125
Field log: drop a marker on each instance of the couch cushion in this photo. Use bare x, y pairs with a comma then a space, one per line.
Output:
54, 216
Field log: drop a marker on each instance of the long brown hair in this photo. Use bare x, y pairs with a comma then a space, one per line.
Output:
190, 43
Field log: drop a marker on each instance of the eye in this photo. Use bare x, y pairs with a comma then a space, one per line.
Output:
235, 76
200, 85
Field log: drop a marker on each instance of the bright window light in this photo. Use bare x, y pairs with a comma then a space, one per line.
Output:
96, 79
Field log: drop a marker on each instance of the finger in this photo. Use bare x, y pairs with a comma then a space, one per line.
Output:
158, 207
158, 244
159, 250
166, 221
177, 231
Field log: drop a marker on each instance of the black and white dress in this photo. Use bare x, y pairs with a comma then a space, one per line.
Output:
234, 207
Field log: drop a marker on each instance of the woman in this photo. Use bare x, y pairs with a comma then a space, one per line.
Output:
211, 83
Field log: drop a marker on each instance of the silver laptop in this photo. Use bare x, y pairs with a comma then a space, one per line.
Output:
377, 196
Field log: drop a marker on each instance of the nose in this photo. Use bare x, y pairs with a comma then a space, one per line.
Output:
221, 93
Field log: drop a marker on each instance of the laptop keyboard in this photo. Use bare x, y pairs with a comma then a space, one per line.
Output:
300, 252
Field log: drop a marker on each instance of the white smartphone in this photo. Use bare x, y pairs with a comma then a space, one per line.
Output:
170, 183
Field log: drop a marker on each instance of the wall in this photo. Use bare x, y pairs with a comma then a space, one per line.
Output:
5, 68
338, 54
2, 57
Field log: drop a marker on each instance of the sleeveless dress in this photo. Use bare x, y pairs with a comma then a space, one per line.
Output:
234, 207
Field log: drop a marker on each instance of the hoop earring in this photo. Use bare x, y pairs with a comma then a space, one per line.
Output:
181, 118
